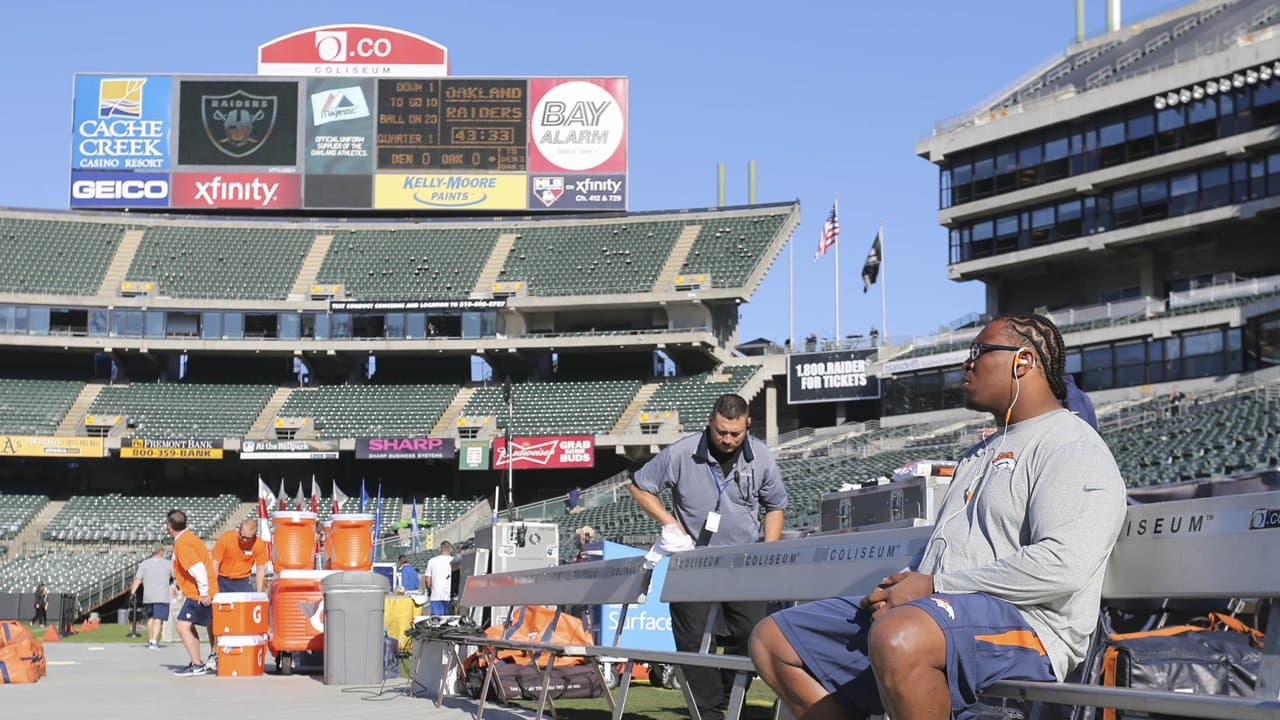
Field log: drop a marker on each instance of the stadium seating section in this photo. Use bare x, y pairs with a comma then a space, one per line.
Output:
93, 577
35, 407
407, 263
1228, 436
693, 397
730, 248
348, 411
187, 410
134, 519
622, 521
234, 262
56, 257
16, 511
585, 406
589, 259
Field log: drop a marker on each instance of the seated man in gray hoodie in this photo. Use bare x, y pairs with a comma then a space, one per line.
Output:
1010, 582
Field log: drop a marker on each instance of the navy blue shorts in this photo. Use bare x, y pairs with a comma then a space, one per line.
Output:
987, 640
241, 585
195, 613
439, 607
158, 611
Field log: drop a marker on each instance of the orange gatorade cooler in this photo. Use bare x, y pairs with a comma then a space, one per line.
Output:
296, 616
240, 614
352, 547
241, 655
293, 539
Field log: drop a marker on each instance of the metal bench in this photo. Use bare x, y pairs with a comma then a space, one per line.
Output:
1217, 547
612, 582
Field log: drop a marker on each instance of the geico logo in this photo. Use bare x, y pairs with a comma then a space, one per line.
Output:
120, 189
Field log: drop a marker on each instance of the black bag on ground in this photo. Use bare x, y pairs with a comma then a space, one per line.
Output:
1185, 659
518, 681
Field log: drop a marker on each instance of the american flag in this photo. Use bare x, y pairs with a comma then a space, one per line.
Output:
830, 233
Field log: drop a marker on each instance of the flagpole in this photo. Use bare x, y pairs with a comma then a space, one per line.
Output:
836, 210
791, 294
884, 276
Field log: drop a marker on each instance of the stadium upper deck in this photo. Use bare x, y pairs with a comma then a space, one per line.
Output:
1128, 186
170, 283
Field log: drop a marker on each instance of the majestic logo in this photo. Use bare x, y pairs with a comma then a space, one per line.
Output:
238, 123
946, 606
120, 97
346, 103
548, 189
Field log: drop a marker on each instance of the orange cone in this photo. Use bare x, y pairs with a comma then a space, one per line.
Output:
51, 635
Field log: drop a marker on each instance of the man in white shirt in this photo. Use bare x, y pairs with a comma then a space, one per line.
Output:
440, 579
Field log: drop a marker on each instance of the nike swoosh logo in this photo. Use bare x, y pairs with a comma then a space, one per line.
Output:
1092, 489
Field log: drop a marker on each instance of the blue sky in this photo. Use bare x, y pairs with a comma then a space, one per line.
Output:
826, 97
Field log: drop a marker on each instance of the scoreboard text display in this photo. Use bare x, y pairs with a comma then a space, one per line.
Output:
342, 143
831, 377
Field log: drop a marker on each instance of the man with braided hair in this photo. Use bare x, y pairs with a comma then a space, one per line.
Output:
1009, 584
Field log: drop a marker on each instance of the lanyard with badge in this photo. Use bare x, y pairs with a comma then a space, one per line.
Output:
713, 517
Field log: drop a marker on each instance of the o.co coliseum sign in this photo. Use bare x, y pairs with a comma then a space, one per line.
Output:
343, 50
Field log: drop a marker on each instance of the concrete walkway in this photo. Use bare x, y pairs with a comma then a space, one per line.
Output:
119, 680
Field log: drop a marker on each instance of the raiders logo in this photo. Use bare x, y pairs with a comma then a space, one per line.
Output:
238, 123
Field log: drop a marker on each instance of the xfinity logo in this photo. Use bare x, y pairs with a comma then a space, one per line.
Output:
217, 190
120, 189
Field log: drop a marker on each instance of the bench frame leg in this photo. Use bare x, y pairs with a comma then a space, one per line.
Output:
1269, 667
624, 684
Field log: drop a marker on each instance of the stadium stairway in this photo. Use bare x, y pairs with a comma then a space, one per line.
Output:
31, 535
497, 259
445, 426
234, 518
754, 384
71, 422
633, 409
310, 267
679, 254
120, 263
261, 427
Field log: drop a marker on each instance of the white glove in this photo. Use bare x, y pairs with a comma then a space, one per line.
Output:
672, 539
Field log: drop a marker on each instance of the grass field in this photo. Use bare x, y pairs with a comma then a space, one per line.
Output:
105, 633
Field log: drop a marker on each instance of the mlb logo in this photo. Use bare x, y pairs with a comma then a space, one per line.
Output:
548, 189
120, 97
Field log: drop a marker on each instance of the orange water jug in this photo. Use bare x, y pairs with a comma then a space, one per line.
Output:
293, 539
296, 616
352, 547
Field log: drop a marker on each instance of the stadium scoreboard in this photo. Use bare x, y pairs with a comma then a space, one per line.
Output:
453, 124
434, 144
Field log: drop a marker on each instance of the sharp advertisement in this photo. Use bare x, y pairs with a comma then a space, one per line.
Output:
831, 377
349, 142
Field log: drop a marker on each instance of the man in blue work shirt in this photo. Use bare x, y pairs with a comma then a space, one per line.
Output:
719, 479
409, 580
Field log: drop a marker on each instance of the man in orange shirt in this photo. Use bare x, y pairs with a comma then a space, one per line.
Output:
236, 555
193, 571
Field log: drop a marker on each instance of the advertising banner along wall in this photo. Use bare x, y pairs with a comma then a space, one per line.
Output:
544, 452
418, 448
831, 376
41, 446
164, 449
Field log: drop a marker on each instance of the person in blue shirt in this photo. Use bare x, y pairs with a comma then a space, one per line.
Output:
409, 580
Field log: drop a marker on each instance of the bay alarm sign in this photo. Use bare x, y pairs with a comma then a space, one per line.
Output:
353, 50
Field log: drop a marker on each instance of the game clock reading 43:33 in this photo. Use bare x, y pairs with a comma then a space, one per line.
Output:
452, 124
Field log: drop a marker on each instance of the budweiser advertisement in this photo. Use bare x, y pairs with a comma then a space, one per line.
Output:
544, 452
346, 50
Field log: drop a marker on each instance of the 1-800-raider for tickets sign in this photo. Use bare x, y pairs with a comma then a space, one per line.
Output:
831, 376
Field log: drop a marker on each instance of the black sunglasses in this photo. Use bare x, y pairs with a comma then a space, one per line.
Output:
977, 349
